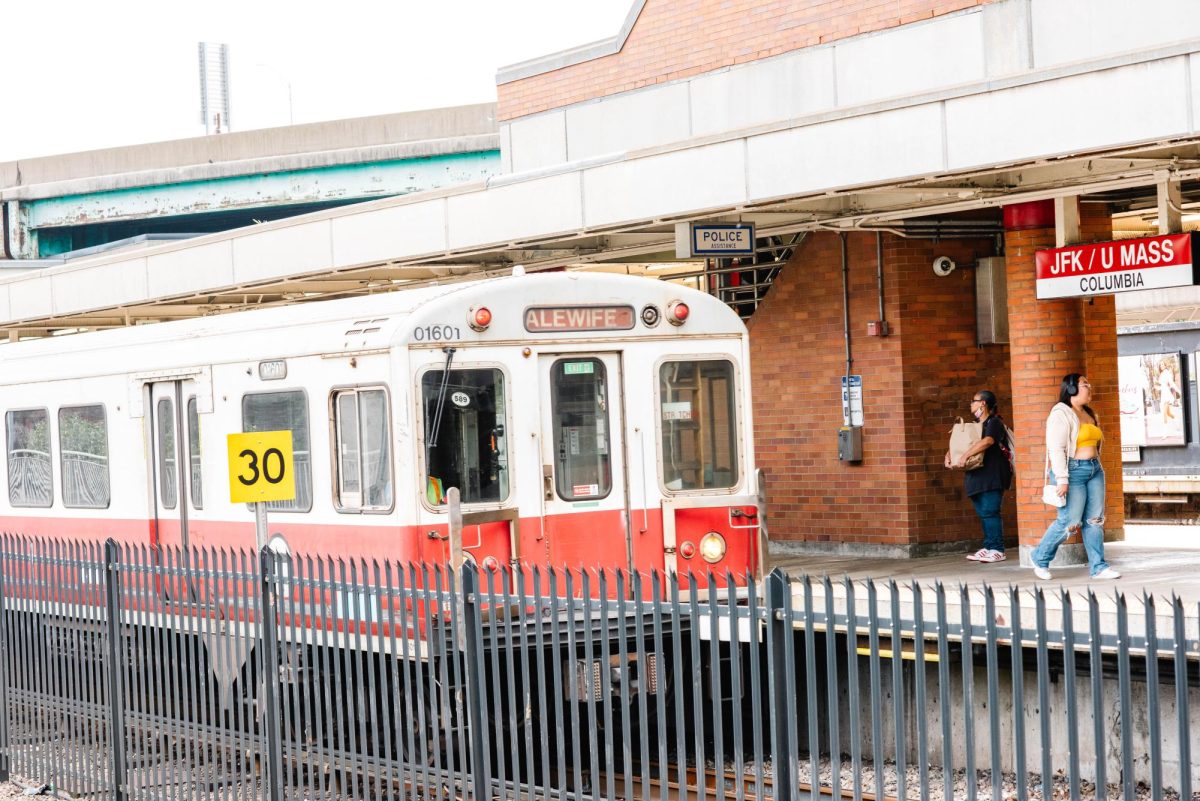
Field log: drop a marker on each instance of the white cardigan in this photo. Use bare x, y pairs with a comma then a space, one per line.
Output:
1062, 434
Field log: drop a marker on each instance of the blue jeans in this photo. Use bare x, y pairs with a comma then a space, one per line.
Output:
987, 506
1085, 504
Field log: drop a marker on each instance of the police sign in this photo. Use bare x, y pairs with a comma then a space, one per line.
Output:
714, 239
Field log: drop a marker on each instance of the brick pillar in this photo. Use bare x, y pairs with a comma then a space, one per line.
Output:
1048, 339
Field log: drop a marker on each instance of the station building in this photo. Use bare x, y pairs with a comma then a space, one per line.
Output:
902, 163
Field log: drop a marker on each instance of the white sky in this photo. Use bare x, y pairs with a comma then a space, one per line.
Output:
83, 74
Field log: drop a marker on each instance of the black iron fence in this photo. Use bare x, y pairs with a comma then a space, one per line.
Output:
137, 673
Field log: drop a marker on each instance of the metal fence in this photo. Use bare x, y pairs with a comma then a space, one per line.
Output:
137, 673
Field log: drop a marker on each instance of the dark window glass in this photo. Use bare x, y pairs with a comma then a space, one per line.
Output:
168, 481
280, 411
193, 424
579, 405
364, 461
699, 430
466, 445
30, 474
83, 445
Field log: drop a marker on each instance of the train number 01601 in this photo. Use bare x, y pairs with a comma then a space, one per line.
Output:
437, 333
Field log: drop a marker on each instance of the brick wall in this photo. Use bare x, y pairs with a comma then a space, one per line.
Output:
1056, 337
675, 39
915, 382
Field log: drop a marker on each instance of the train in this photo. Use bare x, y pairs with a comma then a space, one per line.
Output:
587, 420
1160, 426
595, 425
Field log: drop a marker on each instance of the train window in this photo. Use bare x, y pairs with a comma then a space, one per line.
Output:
697, 406
276, 411
168, 479
30, 474
364, 458
193, 426
83, 448
465, 436
579, 406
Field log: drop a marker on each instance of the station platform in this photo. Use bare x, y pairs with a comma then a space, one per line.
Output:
1151, 571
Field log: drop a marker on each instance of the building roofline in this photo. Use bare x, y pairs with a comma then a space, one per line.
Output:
573, 55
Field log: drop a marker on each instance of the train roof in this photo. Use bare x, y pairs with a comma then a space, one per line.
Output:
349, 325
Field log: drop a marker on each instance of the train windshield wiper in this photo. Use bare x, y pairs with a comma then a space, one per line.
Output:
431, 441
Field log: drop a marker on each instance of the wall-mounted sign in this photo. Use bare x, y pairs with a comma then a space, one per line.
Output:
1127, 265
852, 400
714, 239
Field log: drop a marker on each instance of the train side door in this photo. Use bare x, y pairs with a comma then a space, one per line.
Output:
585, 508
173, 460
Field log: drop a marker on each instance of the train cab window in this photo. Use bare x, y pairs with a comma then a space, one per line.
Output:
277, 411
168, 479
83, 448
30, 473
193, 450
363, 456
579, 406
697, 413
466, 445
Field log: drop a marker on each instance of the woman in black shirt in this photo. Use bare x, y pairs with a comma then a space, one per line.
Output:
985, 485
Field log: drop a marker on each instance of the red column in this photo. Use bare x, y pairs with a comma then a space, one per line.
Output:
1048, 339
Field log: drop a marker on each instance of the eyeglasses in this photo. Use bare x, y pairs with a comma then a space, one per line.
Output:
976, 400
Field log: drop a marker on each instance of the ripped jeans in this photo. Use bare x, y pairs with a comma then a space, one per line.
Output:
1085, 504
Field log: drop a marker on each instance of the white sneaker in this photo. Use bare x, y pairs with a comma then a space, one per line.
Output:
992, 556
979, 556
1107, 573
1042, 573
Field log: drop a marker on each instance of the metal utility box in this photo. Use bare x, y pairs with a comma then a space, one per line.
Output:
850, 444
991, 302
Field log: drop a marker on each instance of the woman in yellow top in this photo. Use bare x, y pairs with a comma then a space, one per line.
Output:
1073, 438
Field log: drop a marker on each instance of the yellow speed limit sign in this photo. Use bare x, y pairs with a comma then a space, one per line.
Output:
260, 467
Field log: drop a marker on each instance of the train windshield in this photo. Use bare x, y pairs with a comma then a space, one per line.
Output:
465, 445
699, 436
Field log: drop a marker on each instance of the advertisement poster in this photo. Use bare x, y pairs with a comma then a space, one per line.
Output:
1151, 392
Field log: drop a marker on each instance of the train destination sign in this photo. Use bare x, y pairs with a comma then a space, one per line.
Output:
1126, 265
260, 467
542, 319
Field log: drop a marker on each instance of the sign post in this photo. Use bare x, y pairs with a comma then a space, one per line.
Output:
261, 470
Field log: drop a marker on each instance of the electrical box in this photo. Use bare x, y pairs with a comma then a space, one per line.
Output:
850, 444
991, 302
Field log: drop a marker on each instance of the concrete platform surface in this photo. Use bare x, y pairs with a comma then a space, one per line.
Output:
1155, 571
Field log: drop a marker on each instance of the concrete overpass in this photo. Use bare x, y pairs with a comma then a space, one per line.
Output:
62, 204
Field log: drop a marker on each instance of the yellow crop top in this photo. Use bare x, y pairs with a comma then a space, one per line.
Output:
1089, 436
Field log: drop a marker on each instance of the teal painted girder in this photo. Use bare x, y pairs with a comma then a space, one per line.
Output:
315, 185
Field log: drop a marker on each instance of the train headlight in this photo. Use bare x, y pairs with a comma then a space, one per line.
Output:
677, 313
479, 318
712, 547
687, 549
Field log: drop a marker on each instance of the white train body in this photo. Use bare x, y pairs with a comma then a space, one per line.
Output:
582, 425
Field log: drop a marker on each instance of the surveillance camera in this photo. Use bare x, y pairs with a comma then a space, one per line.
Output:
943, 265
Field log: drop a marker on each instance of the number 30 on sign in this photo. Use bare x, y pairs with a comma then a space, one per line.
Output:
260, 467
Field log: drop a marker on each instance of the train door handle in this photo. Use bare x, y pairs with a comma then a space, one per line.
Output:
547, 482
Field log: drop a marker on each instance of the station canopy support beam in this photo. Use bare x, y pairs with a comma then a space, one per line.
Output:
1170, 205
1066, 220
